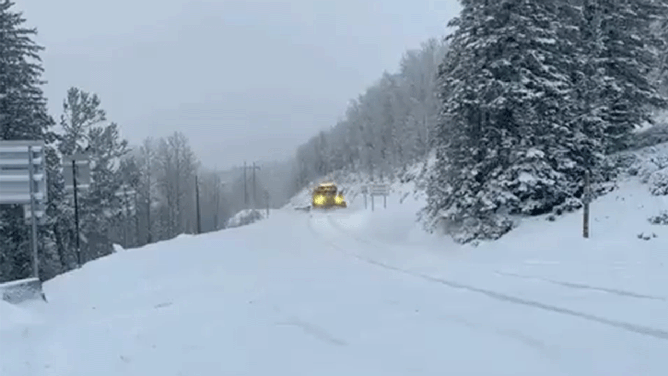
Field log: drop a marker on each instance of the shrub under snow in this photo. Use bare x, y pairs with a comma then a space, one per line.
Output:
245, 217
660, 219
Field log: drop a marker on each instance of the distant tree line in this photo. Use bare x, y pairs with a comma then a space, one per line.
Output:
387, 128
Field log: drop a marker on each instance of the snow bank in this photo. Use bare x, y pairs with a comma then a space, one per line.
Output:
627, 247
21, 290
246, 217
650, 165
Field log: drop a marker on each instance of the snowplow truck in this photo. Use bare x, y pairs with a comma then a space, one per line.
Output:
327, 196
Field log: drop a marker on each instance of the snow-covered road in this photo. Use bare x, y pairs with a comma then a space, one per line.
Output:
320, 294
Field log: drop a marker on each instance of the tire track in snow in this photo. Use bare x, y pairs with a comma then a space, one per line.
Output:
638, 329
584, 286
573, 285
314, 331
533, 343
549, 352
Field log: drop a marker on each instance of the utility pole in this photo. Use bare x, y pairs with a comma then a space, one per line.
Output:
245, 189
127, 216
217, 198
199, 218
149, 235
136, 199
589, 90
253, 167
254, 193
76, 210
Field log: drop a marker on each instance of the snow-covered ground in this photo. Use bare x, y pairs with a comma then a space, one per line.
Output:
355, 292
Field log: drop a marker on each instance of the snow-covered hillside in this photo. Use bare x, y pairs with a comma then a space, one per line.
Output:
357, 292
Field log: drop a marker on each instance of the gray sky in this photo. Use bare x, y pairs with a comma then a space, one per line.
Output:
242, 79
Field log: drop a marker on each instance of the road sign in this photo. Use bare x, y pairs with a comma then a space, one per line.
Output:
15, 172
81, 163
23, 182
76, 171
377, 190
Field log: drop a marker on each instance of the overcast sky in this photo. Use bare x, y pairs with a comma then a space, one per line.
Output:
242, 79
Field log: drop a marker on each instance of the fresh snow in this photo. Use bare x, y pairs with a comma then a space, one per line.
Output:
356, 292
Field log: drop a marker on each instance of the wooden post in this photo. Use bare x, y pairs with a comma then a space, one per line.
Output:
585, 212
199, 217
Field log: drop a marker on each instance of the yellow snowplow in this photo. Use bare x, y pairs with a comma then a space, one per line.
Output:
326, 196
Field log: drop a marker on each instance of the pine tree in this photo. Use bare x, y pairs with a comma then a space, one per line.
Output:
504, 146
23, 116
81, 112
100, 204
23, 113
60, 255
627, 57
85, 130
659, 74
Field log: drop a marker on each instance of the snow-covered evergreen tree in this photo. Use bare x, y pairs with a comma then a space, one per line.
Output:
23, 115
627, 57
85, 130
503, 142
59, 226
81, 112
659, 74
100, 204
